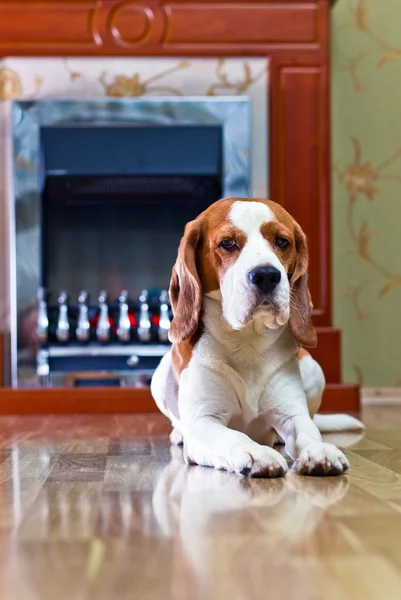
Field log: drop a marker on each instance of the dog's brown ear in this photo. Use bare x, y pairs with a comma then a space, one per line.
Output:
185, 286
300, 322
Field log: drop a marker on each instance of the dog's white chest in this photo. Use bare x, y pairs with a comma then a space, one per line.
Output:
247, 364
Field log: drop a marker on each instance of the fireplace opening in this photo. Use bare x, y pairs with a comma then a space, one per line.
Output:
116, 199
103, 190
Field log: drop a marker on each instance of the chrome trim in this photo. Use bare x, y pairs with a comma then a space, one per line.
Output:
164, 323
156, 350
63, 325
103, 324
42, 321
127, 378
124, 325
144, 326
83, 327
133, 360
42, 368
12, 273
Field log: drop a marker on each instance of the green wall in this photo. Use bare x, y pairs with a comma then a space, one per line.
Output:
366, 180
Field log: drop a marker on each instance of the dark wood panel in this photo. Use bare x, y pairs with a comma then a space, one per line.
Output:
337, 397
240, 23
130, 24
1, 359
77, 400
328, 353
299, 155
50, 26
154, 27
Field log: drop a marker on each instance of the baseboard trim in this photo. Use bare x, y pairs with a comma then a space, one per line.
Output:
337, 398
380, 396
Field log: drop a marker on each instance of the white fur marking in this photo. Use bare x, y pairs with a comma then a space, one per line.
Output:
238, 295
250, 216
314, 382
337, 423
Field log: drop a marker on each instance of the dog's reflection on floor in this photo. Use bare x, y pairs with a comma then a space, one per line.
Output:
223, 520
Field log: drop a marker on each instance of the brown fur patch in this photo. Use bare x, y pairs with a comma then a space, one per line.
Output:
181, 353
287, 256
302, 353
198, 268
186, 286
300, 322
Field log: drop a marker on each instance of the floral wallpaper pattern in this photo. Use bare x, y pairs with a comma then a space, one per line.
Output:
366, 131
128, 77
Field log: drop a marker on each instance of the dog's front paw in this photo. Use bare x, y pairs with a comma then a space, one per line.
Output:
321, 459
259, 461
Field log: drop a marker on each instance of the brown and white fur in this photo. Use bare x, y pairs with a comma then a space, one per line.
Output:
237, 374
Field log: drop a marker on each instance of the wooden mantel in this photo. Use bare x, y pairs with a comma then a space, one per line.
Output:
286, 28
294, 36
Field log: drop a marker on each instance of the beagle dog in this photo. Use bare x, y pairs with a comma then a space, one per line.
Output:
238, 374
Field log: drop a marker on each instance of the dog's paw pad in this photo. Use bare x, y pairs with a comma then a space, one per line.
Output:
247, 469
321, 459
260, 461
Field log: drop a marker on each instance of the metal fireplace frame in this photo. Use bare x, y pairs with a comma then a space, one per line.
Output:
27, 117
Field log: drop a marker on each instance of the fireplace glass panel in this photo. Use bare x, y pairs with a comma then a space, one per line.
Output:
116, 201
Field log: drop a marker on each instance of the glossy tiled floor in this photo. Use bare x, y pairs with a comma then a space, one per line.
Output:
99, 508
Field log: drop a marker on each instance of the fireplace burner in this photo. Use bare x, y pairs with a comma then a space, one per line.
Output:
124, 337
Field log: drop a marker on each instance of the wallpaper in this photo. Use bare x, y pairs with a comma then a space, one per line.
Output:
366, 154
129, 77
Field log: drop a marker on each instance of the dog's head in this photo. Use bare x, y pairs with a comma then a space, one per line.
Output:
250, 255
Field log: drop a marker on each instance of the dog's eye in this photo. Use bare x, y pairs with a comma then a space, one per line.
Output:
282, 242
228, 244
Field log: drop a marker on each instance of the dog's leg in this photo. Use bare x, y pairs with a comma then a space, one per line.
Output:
209, 442
290, 417
158, 386
164, 391
208, 403
313, 382
176, 437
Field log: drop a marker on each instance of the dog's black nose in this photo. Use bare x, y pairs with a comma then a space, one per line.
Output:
265, 278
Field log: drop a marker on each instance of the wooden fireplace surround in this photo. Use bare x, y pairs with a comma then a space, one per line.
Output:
294, 36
